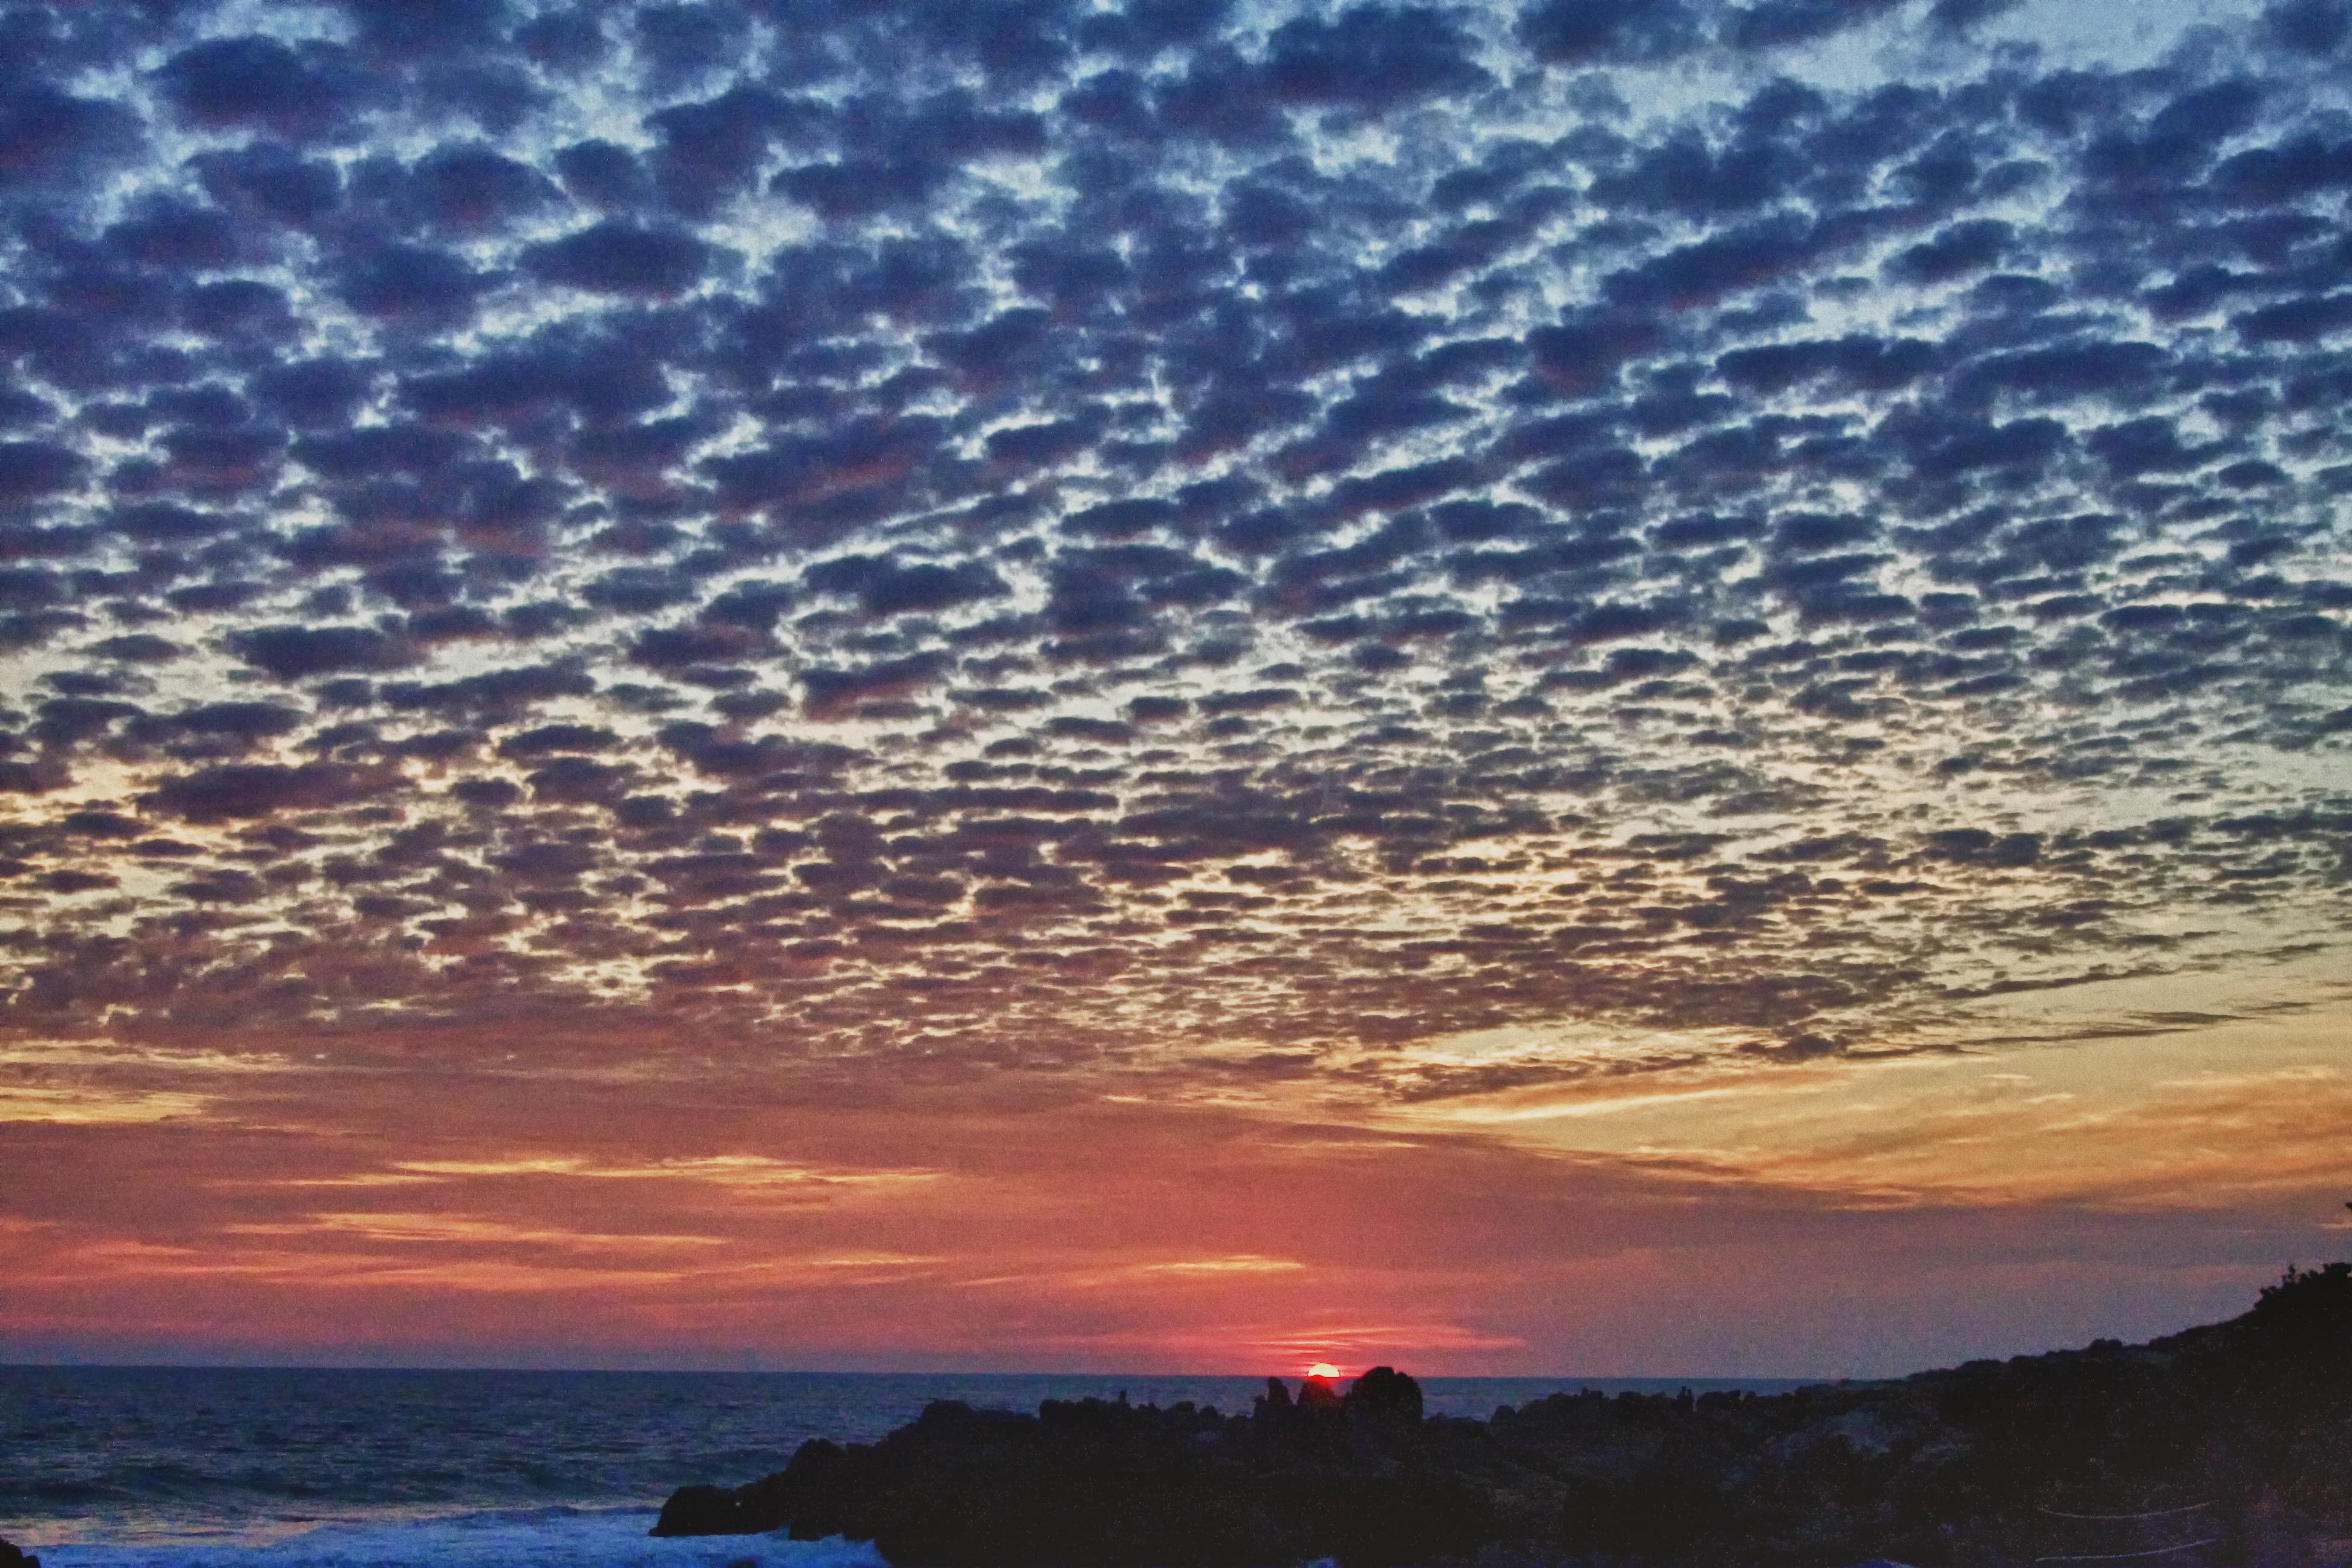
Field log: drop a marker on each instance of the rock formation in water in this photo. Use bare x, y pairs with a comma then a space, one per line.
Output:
10, 1557
2231, 1443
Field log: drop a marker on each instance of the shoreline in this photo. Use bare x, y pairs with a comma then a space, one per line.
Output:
2246, 1424
600, 1412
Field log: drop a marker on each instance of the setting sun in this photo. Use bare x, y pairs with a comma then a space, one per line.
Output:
1323, 1369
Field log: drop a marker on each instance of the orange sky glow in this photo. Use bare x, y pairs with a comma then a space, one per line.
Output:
1718, 1221
1154, 685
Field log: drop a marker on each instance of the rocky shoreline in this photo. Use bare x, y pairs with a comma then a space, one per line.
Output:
2230, 1444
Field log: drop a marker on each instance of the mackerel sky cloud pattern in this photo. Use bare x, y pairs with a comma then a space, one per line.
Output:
1219, 540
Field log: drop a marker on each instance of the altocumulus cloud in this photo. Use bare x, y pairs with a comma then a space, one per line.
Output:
1048, 534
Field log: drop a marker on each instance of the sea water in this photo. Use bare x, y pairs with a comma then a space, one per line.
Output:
313, 1468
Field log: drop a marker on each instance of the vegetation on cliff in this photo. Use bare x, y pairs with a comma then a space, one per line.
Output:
2231, 1443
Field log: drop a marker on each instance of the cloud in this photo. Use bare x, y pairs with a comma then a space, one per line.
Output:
1023, 542
616, 258
259, 82
235, 791
300, 652
1369, 56
1611, 32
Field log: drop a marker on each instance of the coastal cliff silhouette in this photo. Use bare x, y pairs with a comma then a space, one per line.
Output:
2227, 1443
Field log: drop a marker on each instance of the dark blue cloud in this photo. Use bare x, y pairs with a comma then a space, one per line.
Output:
1611, 31
1770, 24
258, 82
618, 258
53, 138
237, 791
297, 652
1012, 484
32, 470
1977, 244
2315, 28
1370, 57
884, 587
711, 149
601, 173
419, 284
470, 187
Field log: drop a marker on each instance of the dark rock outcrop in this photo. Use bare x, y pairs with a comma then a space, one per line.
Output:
1384, 1394
2226, 1443
10, 1557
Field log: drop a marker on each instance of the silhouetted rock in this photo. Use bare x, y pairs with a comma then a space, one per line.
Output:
2228, 1443
1384, 1394
10, 1557
704, 1511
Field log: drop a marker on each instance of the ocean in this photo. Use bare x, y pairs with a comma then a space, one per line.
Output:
315, 1467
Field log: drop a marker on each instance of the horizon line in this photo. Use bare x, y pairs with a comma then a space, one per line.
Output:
94, 1364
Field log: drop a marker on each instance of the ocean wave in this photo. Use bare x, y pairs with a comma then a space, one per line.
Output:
553, 1537
139, 1457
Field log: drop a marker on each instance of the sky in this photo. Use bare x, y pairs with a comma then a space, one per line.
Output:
1584, 686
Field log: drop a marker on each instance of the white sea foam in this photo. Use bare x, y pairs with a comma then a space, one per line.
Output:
504, 1538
